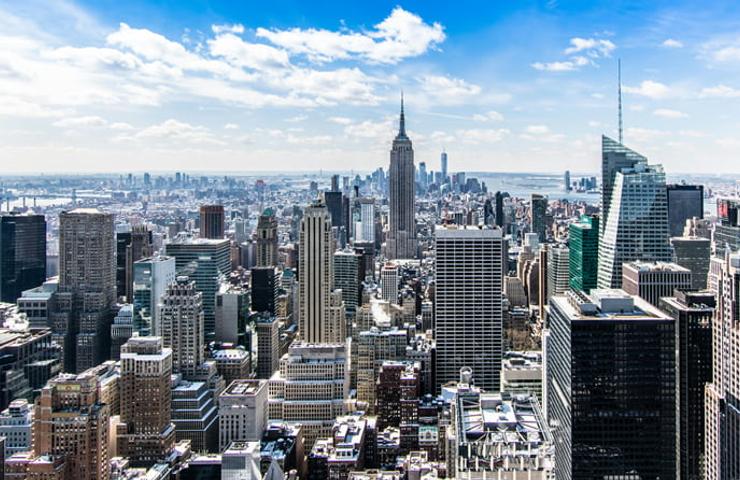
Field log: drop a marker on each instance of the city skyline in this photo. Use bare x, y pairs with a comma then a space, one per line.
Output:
89, 87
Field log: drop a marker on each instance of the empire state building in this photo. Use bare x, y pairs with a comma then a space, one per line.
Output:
401, 239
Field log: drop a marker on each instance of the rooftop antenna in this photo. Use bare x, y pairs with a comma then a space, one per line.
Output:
619, 90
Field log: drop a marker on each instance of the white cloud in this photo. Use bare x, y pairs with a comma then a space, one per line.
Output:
444, 90
554, 66
296, 119
340, 120
491, 115
401, 35
178, 131
249, 55
226, 28
672, 43
595, 47
368, 129
644, 134
231, 126
719, 91
650, 89
588, 50
120, 126
482, 135
669, 113
87, 121
722, 50
541, 133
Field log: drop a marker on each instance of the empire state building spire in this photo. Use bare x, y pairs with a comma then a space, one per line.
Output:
401, 238
402, 121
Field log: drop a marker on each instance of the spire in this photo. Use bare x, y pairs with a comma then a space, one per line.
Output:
402, 122
619, 93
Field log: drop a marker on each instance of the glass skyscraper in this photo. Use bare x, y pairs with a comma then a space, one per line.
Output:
22, 254
584, 253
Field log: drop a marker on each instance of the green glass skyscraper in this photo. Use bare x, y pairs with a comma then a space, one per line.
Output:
584, 253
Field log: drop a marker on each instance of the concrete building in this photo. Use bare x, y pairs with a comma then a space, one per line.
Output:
310, 388
468, 303
610, 366
212, 221
145, 434
521, 372
16, 427
538, 216
349, 273
389, 280
401, 238
87, 287
132, 244
558, 265
344, 451
370, 349
121, 329
232, 310
151, 277
693, 253
181, 314
233, 362
242, 412
267, 240
195, 414
39, 303
268, 345
316, 273
653, 280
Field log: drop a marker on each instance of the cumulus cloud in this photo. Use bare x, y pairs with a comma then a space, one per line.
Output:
669, 113
87, 121
594, 47
368, 129
340, 120
540, 133
401, 35
175, 130
482, 135
226, 28
724, 50
672, 43
581, 52
719, 91
444, 90
490, 116
650, 89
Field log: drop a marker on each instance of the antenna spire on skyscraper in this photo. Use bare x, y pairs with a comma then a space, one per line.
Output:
402, 122
619, 93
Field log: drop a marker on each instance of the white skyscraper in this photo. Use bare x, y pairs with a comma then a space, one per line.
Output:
181, 313
558, 266
151, 278
468, 300
316, 273
389, 282
401, 239
636, 226
365, 228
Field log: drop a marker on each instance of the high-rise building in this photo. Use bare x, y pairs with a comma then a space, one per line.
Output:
151, 277
726, 232
423, 177
268, 344
195, 414
614, 157
204, 261
87, 287
692, 312
16, 427
370, 349
443, 166
334, 205
558, 268
521, 372
566, 181
242, 412
653, 280
316, 273
693, 253
684, 202
365, 228
212, 221
310, 388
71, 421
722, 415
121, 330
468, 303
336, 327
401, 239
145, 434
499, 209
538, 216
267, 240
265, 287
349, 273
638, 227
584, 253
389, 281
181, 315
22, 254
232, 312
132, 244
610, 386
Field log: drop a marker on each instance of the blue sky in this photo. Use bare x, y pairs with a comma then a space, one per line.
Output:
295, 85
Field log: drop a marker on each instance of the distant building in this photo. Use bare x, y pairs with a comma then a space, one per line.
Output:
265, 286
242, 412
684, 202
267, 240
521, 372
401, 238
212, 221
22, 254
538, 216
181, 313
584, 253
693, 253
653, 280
151, 277
268, 345
16, 426
389, 281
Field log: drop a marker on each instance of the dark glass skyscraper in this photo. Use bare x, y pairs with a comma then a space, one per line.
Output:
611, 387
22, 254
538, 216
684, 202
584, 253
212, 221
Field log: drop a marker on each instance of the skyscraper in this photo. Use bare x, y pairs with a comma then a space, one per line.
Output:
636, 222
538, 216
614, 157
693, 253
389, 281
181, 316
22, 254
558, 263
468, 310
365, 229
316, 273
146, 433
87, 287
653, 280
267, 240
499, 209
265, 286
443, 166
566, 181
726, 234
401, 239
610, 386
684, 202
151, 277
349, 273
722, 416
212, 221
132, 244
584, 253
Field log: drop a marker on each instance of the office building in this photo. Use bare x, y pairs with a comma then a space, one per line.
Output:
398, 393
242, 412
558, 270
401, 238
538, 216
497, 435
181, 314
684, 202
336, 327
638, 229
195, 414
611, 386
584, 253
16, 427
121, 329
693, 253
232, 312
521, 372
370, 349
71, 421
39, 303
22, 254
283, 444
87, 287
310, 388
443, 166
151, 277
315, 273
145, 434
722, 415
468, 303
233, 362
499, 209
566, 181
653, 280
265, 288
365, 228
212, 221
334, 202
267, 240
349, 273
614, 158
268, 344
240, 461
726, 232
204, 261
132, 244
692, 312
389, 281
342, 452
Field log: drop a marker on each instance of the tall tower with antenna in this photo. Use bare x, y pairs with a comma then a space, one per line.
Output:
619, 94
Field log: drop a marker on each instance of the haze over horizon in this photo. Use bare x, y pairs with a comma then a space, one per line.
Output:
109, 87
